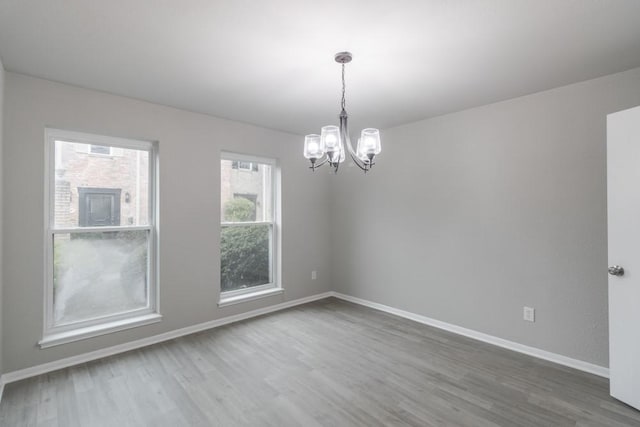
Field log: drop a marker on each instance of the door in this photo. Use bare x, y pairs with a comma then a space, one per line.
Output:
99, 207
623, 208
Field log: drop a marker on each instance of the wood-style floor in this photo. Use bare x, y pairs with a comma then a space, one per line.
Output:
328, 363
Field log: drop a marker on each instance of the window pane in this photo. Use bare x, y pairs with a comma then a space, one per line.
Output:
245, 191
92, 191
100, 149
98, 274
245, 256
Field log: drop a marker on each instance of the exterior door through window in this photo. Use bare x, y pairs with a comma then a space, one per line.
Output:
99, 207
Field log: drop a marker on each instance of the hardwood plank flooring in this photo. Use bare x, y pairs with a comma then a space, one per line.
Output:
327, 363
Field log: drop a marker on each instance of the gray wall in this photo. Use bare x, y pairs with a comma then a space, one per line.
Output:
1, 168
190, 146
466, 218
470, 216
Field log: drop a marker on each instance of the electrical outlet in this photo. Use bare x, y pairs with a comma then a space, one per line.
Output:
314, 275
529, 314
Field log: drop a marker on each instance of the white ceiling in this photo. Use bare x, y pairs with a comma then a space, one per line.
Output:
271, 62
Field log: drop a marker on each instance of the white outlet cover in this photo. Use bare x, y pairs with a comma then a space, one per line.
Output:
314, 275
529, 314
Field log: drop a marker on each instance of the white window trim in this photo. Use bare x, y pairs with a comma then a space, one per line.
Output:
95, 331
275, 287
61, 334
253, 295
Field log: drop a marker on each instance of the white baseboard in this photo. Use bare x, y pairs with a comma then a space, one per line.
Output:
520, 348
133, 345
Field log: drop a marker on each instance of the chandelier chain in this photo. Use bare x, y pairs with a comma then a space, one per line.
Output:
343, 102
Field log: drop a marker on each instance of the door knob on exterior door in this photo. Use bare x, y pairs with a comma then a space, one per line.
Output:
616, 270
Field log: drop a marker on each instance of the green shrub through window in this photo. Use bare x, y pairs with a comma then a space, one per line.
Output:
246, 237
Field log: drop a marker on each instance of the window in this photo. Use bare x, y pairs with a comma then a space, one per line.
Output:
244, 165
101, 236
249, 228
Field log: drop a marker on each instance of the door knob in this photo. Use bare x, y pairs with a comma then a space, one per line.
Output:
616, 270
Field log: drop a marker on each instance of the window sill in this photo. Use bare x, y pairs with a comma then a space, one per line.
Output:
97, 330
225, 301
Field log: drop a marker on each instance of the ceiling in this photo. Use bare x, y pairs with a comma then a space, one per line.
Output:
270, 62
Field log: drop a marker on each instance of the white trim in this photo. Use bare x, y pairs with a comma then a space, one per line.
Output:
275, 223
244, 291
276, 230
239, 157
83, 333
93, 139
76, 230
101, 321
245, 223
32, 371
226, 300
60, 334
490, 339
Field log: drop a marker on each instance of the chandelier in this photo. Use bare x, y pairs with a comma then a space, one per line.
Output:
329, 146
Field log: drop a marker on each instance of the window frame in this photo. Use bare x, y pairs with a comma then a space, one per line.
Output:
73, 331
275, 286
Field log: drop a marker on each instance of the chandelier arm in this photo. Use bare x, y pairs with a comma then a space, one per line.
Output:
344, 134
362, 165
325, 160
357, 162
